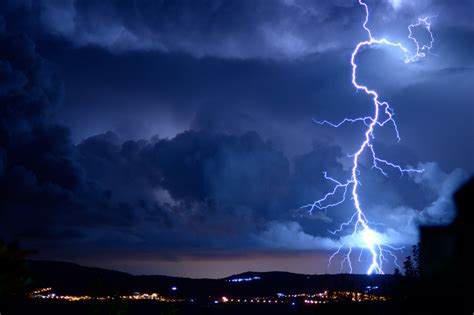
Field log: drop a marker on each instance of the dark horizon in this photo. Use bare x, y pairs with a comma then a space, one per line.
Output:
174, 268
35, 261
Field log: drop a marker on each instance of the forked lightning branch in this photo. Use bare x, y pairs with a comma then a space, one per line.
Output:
383, 115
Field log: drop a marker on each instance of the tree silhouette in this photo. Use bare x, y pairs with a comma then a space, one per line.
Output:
409, 268
14, 272
416, 259
397, 272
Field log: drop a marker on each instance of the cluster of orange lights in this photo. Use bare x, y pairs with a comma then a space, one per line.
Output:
316, 298
39, 291
354, 296
43, 294
146, 296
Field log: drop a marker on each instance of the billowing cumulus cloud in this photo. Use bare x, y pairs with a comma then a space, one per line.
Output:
290, 236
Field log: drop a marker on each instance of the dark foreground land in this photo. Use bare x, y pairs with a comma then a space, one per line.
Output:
205, 296
159, 308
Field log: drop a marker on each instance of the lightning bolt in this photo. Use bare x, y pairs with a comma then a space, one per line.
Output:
363, 231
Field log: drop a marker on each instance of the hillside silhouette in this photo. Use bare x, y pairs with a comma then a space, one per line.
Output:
69, 278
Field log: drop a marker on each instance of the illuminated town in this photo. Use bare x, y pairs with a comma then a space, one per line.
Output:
279, 298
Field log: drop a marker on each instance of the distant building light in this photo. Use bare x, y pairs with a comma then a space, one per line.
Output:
243, 279
174, 288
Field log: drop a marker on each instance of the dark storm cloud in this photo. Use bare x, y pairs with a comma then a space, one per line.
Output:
234, 29
37, 169
164, 92
194, 169
230, 29
52, 189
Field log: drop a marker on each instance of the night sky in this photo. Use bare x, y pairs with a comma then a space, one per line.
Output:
177, 137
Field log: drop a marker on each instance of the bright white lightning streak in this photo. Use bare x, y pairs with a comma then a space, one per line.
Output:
370, 239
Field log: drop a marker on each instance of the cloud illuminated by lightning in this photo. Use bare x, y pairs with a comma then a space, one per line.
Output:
363, 233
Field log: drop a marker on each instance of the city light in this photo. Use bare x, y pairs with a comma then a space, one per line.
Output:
280, 298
